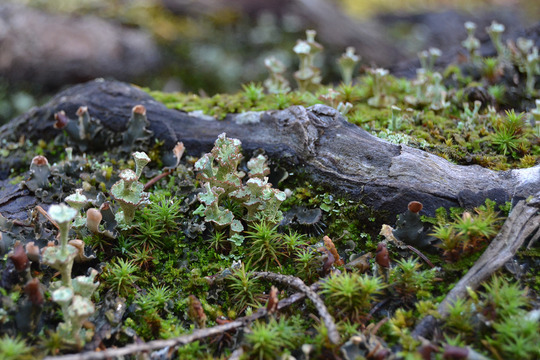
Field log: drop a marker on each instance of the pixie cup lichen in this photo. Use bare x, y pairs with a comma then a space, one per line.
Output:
73, 295
347, 63
61, 258
77, 201
129, 192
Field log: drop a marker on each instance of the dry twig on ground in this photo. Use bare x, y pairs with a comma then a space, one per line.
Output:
305, 290
521, 224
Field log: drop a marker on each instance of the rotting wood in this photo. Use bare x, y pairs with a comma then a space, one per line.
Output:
317, 142
522, 224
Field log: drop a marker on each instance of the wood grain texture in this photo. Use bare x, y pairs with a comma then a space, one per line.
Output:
317, 142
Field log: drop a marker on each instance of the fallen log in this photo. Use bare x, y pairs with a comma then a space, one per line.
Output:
317, 142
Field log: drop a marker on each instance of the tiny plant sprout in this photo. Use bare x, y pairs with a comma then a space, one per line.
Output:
34, 290
308, 76
127, 194
32, 251
85, 285
71, 128
428, 57
347, 62
524, 45
63, 215
79, 245
410, 228
382, 257
177, 153
19, 258
81, 308
128, 176
75, 308
136, 131
395, 121
535, 121
84, 121
527, 59
329, 244
61, 120
62, 297
69, 154
310, 36
379, 98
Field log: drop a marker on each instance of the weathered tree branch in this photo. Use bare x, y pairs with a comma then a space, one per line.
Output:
201, 333
521, 224
317, 141
297, 283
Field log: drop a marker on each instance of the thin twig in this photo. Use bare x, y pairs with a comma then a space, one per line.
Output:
21, 223
44, 213
184, 339
333, 334
377, 306
377, 326
155, 179
419, 253
152, 345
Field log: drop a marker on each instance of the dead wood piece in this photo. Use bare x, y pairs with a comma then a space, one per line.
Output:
316, 141
185, 339
152, 345
297, 283
522, 223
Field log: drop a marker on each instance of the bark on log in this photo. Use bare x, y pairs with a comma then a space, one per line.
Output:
317, 141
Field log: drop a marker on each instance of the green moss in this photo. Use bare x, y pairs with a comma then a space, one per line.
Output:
14, 349
444, 132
